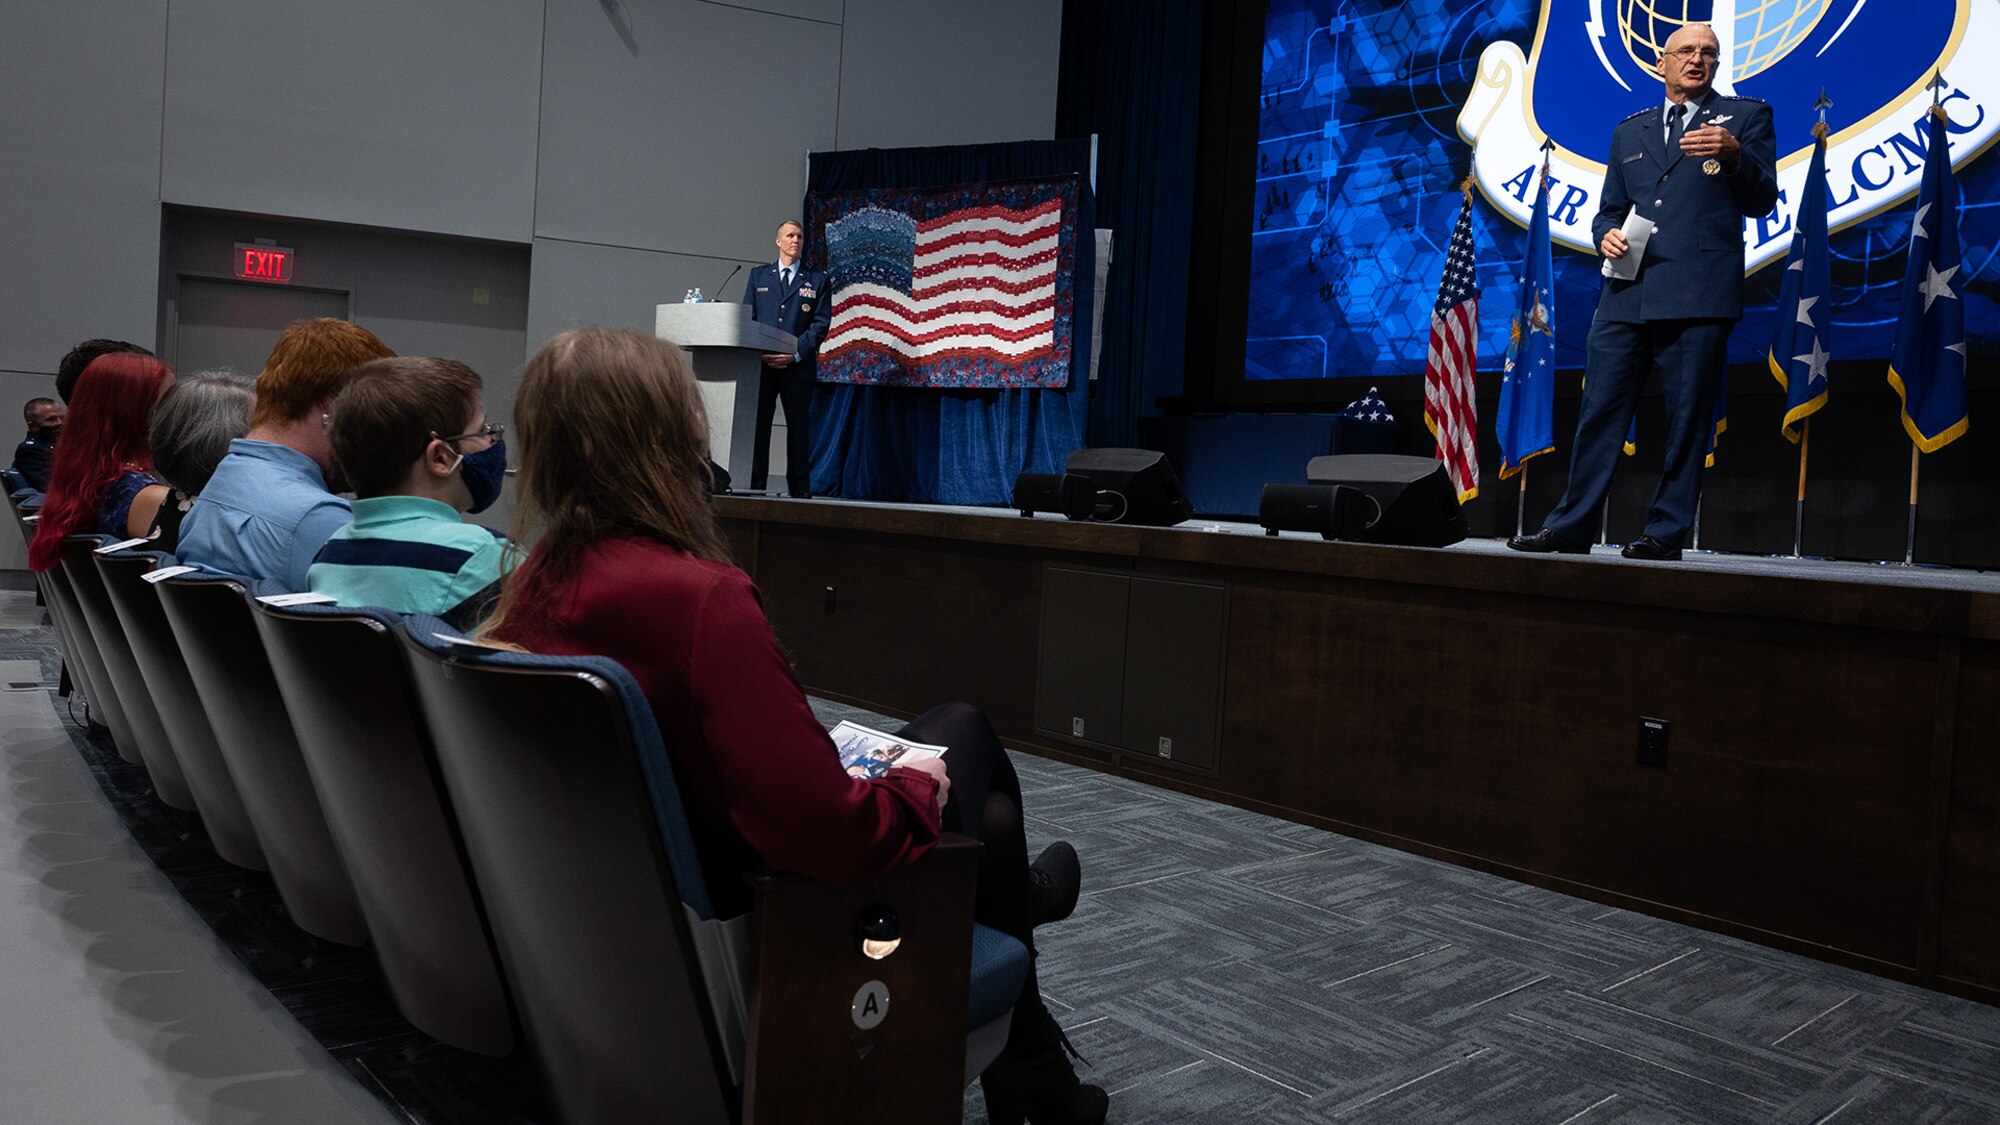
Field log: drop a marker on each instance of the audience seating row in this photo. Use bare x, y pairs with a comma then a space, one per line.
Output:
506, 832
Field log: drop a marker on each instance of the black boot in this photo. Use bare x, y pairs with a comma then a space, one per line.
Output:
1056, 876
1033, 1082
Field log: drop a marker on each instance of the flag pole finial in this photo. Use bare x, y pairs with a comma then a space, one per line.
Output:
1821, 106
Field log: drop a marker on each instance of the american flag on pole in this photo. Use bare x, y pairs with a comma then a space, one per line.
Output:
967, 286
1449, 410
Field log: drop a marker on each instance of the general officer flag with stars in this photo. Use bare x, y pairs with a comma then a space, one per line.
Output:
1801, 347
1928, 367
1527, 422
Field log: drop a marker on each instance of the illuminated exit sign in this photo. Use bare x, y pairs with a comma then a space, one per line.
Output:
258, 262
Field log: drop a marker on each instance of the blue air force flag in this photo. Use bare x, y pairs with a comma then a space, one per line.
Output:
1928, 367
1527, 423
1800, 347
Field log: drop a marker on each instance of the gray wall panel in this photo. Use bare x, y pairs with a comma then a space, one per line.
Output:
825, 11
683, 127
79, 175
581, 284
413, 115
945, 72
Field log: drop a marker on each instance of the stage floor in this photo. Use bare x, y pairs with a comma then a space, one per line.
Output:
1920, 576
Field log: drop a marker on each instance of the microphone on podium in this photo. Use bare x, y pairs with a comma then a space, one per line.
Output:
727, 280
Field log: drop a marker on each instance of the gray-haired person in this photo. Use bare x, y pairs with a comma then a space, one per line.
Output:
192, 427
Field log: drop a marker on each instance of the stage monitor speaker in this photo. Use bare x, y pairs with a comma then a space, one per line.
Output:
718, 481
1419, 505
1067, 493
1334, 510
1135, 485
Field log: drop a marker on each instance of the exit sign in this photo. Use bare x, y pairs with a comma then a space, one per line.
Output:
258, 262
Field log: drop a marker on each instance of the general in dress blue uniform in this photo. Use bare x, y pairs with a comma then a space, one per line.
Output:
798, 301
1696, 178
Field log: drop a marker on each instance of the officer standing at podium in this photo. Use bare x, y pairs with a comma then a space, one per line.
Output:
1695, 164
795, 300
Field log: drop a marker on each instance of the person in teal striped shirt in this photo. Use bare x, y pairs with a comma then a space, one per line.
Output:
411, 435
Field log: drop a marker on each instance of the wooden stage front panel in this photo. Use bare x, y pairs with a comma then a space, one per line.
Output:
1832, 784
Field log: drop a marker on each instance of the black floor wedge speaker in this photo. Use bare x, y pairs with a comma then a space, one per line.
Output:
1419, 505
1335, 511
1135, 485
1067, 493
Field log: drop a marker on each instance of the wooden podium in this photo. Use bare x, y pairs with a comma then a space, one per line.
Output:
724, 344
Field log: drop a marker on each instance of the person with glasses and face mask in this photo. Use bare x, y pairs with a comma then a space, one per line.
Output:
1696, 163
411, 435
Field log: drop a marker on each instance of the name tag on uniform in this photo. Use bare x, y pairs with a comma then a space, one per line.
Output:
1632, 157
763, 289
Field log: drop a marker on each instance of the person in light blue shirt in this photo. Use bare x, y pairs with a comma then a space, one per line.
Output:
412, 436
271, 504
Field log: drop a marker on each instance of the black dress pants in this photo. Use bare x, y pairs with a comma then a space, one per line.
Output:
796, 388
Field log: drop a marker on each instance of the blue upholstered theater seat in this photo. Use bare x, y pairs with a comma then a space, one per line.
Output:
345, 683
187, 724
999, 970
212, 622
999, 964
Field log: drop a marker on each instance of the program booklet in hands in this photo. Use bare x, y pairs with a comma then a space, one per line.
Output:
869, 753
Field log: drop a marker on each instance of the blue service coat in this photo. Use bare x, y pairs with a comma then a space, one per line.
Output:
805, 309
1694, 262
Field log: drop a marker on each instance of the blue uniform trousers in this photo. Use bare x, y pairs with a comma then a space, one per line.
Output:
1689, 355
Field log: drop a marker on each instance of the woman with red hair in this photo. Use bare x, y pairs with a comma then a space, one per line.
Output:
102, 478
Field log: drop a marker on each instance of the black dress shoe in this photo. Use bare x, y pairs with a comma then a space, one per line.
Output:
1054, 880
1650, 549
1546, 542
1032, 1081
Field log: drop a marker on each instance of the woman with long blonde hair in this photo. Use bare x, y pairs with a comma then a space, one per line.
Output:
628, 564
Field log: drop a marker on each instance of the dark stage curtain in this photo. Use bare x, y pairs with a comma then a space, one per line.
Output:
1131, 73
951, 446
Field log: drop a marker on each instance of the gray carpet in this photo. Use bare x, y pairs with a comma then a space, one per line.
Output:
1224, 966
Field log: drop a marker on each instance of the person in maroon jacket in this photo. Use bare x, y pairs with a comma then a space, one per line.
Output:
629, 564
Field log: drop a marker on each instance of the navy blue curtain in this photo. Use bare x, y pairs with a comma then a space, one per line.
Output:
1131, 73
929, 446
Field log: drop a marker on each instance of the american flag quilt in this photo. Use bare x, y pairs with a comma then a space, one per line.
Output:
963, 286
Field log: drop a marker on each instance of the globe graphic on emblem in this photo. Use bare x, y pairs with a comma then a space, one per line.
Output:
1765, 30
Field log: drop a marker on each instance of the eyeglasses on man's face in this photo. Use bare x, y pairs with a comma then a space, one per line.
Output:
490, 433
1684, 54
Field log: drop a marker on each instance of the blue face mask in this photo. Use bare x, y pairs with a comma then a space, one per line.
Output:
483, 472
